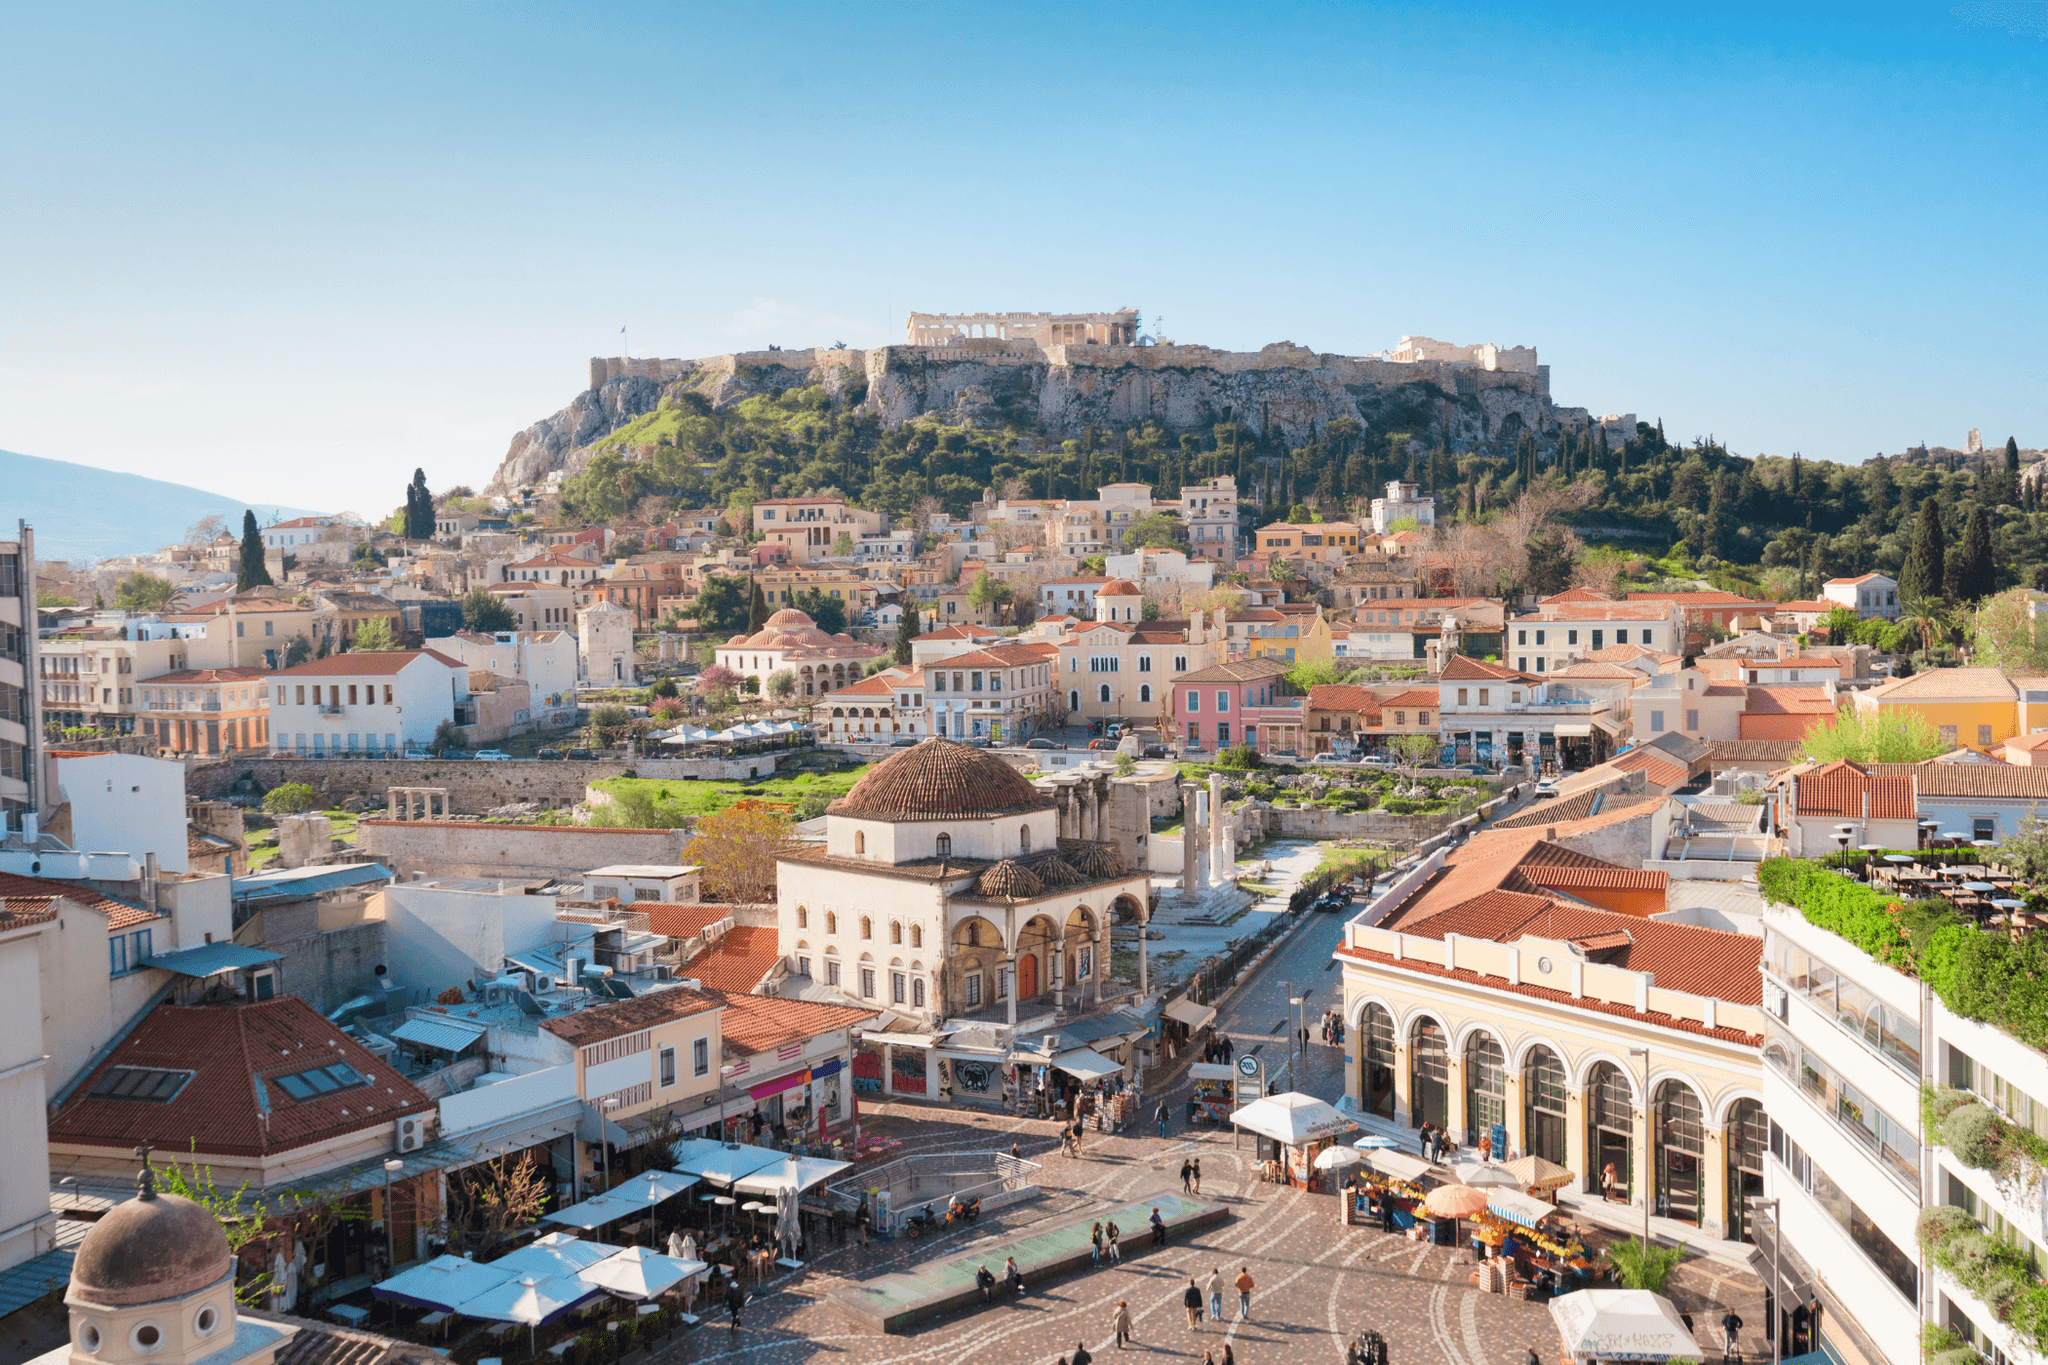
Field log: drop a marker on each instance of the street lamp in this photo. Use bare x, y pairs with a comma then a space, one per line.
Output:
1649, 1143
1757, 1204
391, 1168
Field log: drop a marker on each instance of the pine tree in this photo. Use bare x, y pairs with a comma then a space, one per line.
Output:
250, 573
1926, 563
906, 632
1976, 577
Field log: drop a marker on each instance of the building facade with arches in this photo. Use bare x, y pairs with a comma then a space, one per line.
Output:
790, 639
950, 887
1622, 1047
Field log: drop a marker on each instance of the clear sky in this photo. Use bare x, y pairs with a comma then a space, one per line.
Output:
298, 250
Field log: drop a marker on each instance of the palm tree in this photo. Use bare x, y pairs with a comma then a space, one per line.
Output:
1928, 618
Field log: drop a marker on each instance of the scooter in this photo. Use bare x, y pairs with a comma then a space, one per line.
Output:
967, 1212
921, 1222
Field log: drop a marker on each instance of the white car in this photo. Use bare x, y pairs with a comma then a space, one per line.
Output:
1377, 761
493, 756
1546, 787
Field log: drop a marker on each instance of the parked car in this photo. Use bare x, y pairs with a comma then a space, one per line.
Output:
1546, 787
1377, 761
456, 753
1102, 744
1333, 900
1155, 751
1333, 761
1476, 769
1040, 744
493, 755
581, 755
418, 753
549, 755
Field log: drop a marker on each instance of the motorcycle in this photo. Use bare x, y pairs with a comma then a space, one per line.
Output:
921, 1222
966, 1212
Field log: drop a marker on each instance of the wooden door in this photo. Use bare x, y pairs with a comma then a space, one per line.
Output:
1027, 977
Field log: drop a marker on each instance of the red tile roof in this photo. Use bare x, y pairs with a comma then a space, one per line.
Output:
1781, 701
1699, 599
1343, 697
1576, 595
756, 1023
208, 675
120, 914
1415, 696
1464, 668
673, 920
1602, 611
18, 912
600, 1022
738, 962
1658, 766
234, 1105
1837, 789
372, 663
1596, 878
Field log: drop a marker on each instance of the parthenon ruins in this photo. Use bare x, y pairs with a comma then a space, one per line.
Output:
1045, 329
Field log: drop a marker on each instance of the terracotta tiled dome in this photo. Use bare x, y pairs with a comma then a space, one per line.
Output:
1099, 863
938, 780
155, 1246
789, 618
1119, 587
1007, 881
1057, 871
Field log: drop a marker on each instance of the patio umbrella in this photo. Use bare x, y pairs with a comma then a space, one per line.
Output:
442, 1282
1622, 1324
638, 1273
1294, 1119
1494, 1177
1455, 1201
1373, 1140
529, 1300
1330, 1158
1537, 1174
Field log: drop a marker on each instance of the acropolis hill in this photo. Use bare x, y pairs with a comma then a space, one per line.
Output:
1059, 373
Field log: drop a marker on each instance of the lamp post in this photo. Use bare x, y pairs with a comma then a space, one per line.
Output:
391, 1168
1757, 1204
1649, 1144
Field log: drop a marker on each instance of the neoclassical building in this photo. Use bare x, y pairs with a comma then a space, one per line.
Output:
790, 639
948, 886
1522, 986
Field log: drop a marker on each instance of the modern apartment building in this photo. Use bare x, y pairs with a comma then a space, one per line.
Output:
21, 710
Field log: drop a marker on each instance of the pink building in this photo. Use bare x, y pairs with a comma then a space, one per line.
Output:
1238, 703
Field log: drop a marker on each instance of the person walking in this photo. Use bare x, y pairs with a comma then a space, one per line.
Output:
1095, 1241
1228, 1358
1121, 1321
1198, 1177
1162, 1116
1533, 1358
1245, 1285
1115, 1240
1191, 1299
1187, 1175
735, 1300
1731, 1334
1215, 1288
1081, 1356
862, 1217
1158, 1229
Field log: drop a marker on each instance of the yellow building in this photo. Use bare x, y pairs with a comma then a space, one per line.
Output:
844, 583
1300, 634
1968, 707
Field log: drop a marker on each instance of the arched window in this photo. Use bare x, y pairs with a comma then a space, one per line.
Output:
895, 931
945, 845
1145, 692
831, 922
917, 992
860, 841
867, 927
1105, 691
1024, 838
803, 918
917, 936
1074, 700
1543, 1087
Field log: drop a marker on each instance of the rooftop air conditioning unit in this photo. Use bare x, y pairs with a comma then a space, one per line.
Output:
412, 1132
1052, 1042
543, 985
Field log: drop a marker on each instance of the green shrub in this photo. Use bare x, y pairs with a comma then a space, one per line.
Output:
289, 798
1243, 758
1957, 1355
1940, 1222
1971, 1131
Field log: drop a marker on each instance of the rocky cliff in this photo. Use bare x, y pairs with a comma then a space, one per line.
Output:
1061, 391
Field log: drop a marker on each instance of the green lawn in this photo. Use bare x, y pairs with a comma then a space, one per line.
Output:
708, 798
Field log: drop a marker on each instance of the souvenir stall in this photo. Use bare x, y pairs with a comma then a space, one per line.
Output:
1215, 1093
1292, 1129
1532, 1235
1391, 1191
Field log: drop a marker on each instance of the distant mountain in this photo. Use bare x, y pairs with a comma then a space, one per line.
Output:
79, 512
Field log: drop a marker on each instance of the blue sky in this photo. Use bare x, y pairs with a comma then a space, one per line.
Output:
299, 251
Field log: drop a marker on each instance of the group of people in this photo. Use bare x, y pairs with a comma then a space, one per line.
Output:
1219, 1050
1191, 1175
1191, 1299
1436, 1142
1333, 1028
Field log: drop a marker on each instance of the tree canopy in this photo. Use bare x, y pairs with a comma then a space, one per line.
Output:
1874, 737
143, 593
738, 848
482, 611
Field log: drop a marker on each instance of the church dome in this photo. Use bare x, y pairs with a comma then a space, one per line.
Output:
155, 1246
789, 618
938, 780
1119, 587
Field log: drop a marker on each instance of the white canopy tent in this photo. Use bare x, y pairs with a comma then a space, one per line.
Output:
557, 1254
1399, 1165
1293, 1118
600, 1209
722, 1163
655, 1186
795, 1173
1189, 1013
530, 1300
1622, 1324
443, 1282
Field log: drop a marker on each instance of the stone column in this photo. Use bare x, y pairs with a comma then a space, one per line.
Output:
1517, 1137
1010, 986
1058, 958
1084, 809
1578, 1155
888, 1075
1714, 1195
391, 803
1456, 1119
1101, 965
1190, 840
1404, 1090
1222, 848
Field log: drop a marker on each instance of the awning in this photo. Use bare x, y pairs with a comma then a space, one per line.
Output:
1086, 1063
1400, 1165
1189, 1013
442, 1283
799, 1173
1572, 729
1212, 1071
1517, 1207
450, 1035
600, 1209
824, 1069
1612, 727
722, 1163
780, 1084
210, 959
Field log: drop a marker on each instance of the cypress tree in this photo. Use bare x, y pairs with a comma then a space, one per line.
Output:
757, 606
419, 508
906, 631
249, 572
1976, 577
1926, 562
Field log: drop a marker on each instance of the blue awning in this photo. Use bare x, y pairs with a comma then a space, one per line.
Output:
210, 959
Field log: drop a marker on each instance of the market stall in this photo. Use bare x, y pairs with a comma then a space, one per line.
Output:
1215, 1093
1291, 1128
1391, 1191
1621, 1324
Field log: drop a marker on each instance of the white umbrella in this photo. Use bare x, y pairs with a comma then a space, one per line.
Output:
638, 1273
1622, 1324
529, 1300
443, 1282
549, 1258
1293, 1118
1330, 1158
1372, 1141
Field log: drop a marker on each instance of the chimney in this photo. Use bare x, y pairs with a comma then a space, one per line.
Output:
1549, 833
